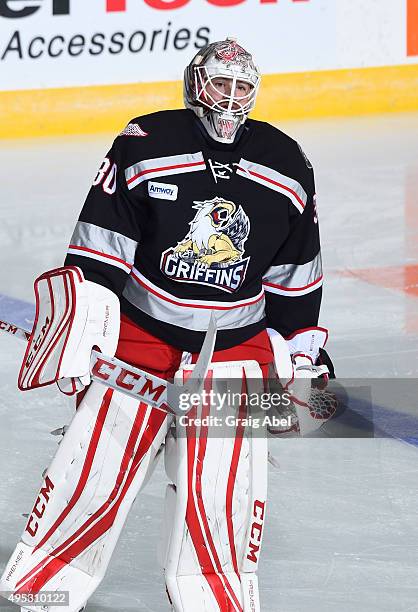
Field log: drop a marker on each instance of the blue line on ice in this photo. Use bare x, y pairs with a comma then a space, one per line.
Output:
16, 311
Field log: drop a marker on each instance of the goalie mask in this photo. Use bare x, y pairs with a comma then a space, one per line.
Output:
220, 86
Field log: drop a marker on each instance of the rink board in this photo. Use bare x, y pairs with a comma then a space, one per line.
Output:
72, 68
103, 108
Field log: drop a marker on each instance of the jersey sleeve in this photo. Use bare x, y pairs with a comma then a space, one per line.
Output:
107, 233
293, 282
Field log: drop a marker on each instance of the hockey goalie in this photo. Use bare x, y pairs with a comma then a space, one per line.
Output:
193, 212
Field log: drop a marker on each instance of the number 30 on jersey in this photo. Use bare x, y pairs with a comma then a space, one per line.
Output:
106, 176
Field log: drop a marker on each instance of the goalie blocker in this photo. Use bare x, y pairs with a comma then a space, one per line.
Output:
72, 317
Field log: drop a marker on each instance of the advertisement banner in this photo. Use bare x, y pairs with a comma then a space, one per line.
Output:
67, 43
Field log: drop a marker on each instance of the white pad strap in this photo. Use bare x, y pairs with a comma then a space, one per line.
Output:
215, 508
282, 358
72, 316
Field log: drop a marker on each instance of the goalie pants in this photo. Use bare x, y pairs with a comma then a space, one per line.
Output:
142, 349
211, 549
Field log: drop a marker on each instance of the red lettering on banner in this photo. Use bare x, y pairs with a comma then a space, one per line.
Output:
115, 6
166, 6
226, 2
62, 7
175, 4
412, 28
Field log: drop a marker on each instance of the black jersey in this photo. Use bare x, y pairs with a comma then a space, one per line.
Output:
178, 226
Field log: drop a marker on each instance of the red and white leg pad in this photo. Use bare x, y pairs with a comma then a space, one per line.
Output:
105, 457
215, 507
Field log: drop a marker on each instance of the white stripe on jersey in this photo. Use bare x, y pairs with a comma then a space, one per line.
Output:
163, 166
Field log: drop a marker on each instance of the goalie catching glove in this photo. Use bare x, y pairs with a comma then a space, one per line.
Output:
309, 358
299, 359
73, 316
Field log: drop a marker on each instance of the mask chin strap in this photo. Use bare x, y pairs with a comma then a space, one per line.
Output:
222, 127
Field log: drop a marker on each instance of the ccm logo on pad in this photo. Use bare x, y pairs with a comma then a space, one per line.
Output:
163, 191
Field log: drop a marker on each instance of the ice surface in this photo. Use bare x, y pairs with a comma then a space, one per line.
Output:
342, 533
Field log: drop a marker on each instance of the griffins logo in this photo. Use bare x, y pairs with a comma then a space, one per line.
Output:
212, 253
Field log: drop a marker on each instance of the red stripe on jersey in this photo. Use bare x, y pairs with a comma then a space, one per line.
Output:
315, 282
80, 248
175, 167
269, 180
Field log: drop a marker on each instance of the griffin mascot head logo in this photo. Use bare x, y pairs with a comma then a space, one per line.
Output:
217, 233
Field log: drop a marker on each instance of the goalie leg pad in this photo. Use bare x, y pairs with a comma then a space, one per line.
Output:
104, 459
215, 507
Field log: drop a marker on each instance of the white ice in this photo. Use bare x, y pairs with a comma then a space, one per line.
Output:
342, 529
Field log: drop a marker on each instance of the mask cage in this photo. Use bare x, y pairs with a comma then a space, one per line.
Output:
229, 103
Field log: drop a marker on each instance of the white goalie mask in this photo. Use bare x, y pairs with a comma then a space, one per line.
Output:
220, 86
